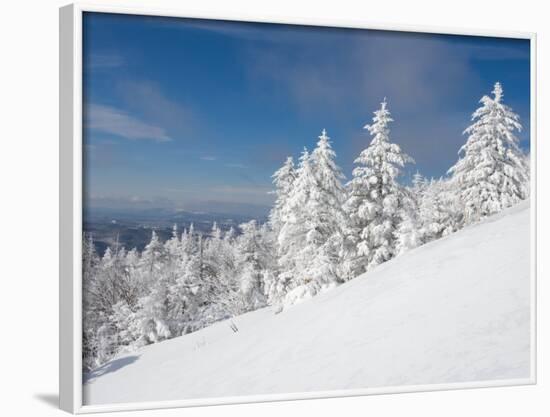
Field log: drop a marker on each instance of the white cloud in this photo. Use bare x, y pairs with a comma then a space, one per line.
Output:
147, 98
235, 165
117, 122
208, 158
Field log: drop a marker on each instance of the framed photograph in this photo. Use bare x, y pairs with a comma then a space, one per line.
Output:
271, 209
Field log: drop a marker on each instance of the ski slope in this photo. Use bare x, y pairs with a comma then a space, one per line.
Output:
454, 310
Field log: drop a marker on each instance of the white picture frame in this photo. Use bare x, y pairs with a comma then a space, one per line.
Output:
70, 153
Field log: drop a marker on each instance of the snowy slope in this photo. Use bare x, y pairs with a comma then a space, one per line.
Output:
454, 310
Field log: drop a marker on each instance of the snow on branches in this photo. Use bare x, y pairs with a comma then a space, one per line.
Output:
492, 173
319, 234
376, 201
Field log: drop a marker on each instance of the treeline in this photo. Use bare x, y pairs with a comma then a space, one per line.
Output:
321, 232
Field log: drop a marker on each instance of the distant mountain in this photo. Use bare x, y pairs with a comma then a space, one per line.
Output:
167, 206
132, 227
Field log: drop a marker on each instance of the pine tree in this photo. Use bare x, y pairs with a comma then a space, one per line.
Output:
90, 259
153, 311
91, 317
251, 260
152, 258
408, 232
419, 184
296, 222
186, 294
173, 246
328, 217
283, 179
311, 237
109, 282
375, 199
440, 210
491, 175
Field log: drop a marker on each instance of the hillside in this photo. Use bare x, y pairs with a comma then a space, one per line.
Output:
454, 310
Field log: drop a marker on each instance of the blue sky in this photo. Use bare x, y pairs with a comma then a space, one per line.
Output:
198, 114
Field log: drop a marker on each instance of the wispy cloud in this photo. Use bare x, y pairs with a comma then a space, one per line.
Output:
208, 158
150, 100
117, 122
104, 61
253, 32
369, 65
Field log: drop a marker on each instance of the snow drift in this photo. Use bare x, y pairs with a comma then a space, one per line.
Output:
454, 310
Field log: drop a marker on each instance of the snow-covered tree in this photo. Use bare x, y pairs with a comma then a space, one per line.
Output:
156, 272
440, 210
329, 219
186, 294
283, 179
90, 259
408, 231
527, 163
375, 199
419, 184
152, 258
491, 174
173, 247
292, 238
215, 279
91, 316
310, 240
252, 258
107, 282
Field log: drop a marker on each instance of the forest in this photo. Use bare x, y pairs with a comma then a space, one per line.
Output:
321, 232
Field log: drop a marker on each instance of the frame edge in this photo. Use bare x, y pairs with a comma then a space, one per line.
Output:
70, 173
67, 301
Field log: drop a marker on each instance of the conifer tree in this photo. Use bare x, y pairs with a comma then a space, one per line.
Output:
283, 179
251, 259
408, 231
313, 224
491, 174
296, 223
328, 218
440, 210
375, 199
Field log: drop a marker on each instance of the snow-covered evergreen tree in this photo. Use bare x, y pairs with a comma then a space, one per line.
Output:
173, 247
419, 184
440, 210
375, 199
252, 261
492, 174
408, 231
292, 238
108, 282
91, 316
283, 179
186, 294
90, 259
329, 218
154, 272
313, 222
152, 258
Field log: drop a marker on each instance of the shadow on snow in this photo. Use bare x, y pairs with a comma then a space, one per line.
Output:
109, 367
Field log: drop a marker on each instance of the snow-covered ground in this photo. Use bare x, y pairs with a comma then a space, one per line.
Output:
454, 310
